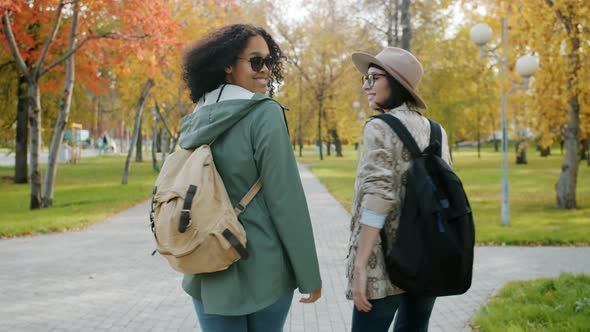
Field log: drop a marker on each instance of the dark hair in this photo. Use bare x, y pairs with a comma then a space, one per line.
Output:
399, 94
205, 61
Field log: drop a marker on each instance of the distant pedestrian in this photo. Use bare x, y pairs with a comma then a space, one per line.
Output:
390, 80
102, 144
229, 73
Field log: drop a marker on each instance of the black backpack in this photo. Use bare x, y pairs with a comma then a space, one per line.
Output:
432, 254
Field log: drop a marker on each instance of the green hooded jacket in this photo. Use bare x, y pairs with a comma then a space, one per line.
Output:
251, 142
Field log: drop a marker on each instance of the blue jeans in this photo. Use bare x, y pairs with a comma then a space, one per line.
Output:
413, 314
269, 319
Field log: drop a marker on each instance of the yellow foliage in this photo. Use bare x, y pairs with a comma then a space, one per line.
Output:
320, 77
557, 31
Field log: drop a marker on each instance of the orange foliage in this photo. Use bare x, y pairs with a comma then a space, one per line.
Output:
144, 28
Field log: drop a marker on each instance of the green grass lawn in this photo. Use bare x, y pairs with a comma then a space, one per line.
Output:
557, 305
534, 220
84, 193
92, 190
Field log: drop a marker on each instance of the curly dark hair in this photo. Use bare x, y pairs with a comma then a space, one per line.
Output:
204, 61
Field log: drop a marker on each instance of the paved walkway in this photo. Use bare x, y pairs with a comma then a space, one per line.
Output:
104, 279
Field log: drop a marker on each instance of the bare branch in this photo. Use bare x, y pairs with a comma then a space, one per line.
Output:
296, 62
13, 46
375, 26
157, 109
335, 78
50, 39
110, 35
9, 126
567, 22
74, 27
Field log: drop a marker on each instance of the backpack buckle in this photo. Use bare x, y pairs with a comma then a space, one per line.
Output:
185, 220
240, 208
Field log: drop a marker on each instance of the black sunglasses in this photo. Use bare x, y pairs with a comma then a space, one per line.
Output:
257, 62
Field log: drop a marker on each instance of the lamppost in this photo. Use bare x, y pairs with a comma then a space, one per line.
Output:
361, 117
526, 66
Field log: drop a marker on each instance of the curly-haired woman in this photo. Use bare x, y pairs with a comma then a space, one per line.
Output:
229, 73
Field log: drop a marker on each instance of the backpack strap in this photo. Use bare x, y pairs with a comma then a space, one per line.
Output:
235, 243
402, 132
231, 238
436, 137
248, 197
185, 213
220, 92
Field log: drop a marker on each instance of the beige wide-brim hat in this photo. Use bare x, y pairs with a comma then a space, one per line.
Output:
399, 63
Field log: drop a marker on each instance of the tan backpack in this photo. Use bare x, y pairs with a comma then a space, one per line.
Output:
192, 219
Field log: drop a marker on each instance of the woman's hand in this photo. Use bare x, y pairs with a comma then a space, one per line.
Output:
314, 296
359, 289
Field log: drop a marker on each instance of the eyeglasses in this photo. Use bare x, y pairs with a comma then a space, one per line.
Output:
257, 62
370, 79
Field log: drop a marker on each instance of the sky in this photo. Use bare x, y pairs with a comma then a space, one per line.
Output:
294, 9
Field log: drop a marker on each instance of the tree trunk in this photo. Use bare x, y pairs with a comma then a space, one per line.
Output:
142, 98
159, 141
138, 144
406, 25
165, 138
520, 148
22, 133
561, 143
449, 128
95, 125
62, 117
583, 148
496, 147
392, 22
174, 142
478, 135
588, 150
167, 133
154, 140
34, 112
298, 140
124, 138
567, 183
545, 151
337, 143
320, 129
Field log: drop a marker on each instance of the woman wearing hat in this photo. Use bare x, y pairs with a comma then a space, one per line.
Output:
390, 80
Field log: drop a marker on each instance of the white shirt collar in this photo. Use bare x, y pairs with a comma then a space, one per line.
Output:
230, 92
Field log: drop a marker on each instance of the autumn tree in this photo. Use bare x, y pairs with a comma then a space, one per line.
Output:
157, 73
390, 18
319, 49
460, 90
9, 91
557, 30
108, 19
